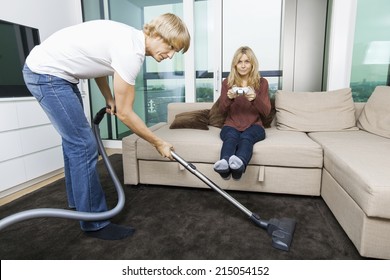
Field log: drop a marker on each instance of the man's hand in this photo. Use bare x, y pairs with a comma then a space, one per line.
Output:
164, 148
110, 107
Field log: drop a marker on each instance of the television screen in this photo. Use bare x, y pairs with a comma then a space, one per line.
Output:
16, 43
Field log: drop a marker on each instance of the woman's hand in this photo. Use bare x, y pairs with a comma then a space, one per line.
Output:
251, 95
231, 94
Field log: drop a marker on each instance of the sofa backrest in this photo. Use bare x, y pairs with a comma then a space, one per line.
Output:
358, 110
181, 107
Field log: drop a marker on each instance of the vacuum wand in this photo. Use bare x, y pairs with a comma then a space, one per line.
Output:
281, 230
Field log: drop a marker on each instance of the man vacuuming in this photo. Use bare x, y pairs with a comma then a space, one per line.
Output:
97, 49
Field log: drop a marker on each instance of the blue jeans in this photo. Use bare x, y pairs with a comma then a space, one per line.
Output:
62, 102
240, 143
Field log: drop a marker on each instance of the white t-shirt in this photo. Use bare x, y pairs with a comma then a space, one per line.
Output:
89, 50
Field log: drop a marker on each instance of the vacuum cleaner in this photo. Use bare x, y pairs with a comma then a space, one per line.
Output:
281, 230
71, 214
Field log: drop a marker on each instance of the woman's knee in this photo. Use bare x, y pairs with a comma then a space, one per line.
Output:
255, 133
228, 132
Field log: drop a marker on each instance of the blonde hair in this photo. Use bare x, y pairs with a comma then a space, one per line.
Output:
171, 29
234, 77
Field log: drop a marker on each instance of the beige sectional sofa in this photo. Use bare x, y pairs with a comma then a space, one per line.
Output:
319, 144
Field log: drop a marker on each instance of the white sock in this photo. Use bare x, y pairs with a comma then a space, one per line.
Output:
221, 165
235, 162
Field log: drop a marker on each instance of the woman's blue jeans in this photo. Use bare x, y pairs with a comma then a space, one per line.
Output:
240, 143
62, 102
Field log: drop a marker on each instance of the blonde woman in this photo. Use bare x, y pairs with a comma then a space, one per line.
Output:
94, 50
244, 98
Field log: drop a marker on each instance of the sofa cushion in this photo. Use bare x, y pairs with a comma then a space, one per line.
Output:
197, 119
280, 148
315, 111
288, 149
359, 162
375, 117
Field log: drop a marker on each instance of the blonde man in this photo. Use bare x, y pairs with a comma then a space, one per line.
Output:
97, 49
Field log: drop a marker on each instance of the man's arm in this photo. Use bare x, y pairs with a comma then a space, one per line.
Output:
124, 101
104, 88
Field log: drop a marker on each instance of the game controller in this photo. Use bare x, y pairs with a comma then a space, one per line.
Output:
240, 90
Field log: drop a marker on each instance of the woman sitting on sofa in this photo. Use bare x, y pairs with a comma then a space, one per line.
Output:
244, 98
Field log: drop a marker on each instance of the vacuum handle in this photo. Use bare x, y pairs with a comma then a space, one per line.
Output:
99, 116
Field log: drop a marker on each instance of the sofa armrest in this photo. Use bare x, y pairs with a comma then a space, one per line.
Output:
129, 156
177, 108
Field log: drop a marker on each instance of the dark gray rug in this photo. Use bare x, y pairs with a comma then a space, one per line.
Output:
176, 223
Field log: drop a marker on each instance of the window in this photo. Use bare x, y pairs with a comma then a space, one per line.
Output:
371, 50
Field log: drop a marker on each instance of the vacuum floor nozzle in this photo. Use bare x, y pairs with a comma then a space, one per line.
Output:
281, 231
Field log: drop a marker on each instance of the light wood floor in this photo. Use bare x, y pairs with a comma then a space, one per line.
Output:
11, 197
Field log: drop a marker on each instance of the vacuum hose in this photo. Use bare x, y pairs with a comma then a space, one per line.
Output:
71, 214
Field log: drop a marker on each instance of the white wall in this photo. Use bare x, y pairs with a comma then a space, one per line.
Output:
30, 148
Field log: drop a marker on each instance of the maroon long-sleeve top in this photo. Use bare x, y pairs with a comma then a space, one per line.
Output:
242, 113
